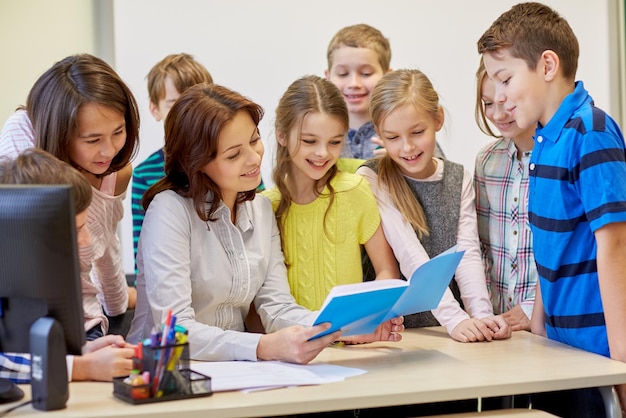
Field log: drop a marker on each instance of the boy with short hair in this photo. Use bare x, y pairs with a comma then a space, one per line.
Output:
104, 357
358, 56
167, 79
577, 198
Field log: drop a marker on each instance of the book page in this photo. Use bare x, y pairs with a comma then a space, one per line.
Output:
353, 288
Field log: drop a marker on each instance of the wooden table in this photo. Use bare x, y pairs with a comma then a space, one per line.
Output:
427, 366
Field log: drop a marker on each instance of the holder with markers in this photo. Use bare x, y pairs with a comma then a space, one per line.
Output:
161, 369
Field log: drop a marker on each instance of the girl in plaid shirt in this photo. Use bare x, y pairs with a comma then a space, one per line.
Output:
501, 183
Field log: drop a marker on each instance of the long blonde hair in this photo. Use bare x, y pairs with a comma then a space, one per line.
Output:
305, 95
396, 89
479, 111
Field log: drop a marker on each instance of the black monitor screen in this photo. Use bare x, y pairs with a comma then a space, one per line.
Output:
39, 269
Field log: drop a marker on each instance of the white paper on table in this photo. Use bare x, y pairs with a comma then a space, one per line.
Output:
239, 375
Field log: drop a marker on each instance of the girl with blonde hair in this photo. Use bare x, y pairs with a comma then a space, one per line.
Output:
427, 204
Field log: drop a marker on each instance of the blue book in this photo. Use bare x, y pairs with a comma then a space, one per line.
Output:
361, 307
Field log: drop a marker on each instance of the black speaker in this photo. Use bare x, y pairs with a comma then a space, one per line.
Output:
48, 371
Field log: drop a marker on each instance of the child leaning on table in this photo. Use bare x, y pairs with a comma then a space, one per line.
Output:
219, 249
81, 112
427, 204
577, 199
324, 215
105, 357
501, 183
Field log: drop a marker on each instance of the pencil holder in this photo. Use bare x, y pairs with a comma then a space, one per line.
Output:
161, 374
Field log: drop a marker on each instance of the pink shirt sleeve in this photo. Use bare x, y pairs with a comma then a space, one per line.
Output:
411, 254
470, 275
17, 135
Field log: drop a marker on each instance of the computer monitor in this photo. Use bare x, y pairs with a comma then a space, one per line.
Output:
40, 279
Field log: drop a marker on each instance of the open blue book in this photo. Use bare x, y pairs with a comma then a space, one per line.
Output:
361, 307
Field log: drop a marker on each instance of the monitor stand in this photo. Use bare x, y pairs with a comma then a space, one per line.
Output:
48, 369
9, 392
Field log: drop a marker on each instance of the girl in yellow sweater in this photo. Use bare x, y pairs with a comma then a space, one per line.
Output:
324, 215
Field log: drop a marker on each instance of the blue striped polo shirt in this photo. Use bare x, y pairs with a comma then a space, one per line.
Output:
577, 185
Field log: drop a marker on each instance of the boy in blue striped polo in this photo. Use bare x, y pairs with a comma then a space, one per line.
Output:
166, 81
577, 199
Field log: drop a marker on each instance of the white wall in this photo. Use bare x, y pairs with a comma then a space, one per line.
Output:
34, 34
259, 47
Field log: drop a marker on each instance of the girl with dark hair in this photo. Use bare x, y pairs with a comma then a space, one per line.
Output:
81, 112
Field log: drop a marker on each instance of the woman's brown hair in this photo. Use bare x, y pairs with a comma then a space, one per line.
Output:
192, 130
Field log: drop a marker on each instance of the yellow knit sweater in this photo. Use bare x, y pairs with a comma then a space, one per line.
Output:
322, 254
